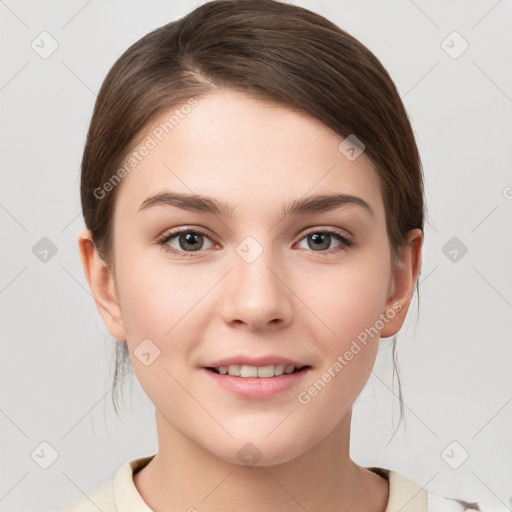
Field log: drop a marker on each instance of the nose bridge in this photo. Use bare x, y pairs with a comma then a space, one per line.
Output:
256, 294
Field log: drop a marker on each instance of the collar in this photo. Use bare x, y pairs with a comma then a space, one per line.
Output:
404, 494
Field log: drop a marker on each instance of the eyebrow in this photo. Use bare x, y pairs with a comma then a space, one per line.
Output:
303, 206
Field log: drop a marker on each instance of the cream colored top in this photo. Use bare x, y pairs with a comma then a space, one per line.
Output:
121, 495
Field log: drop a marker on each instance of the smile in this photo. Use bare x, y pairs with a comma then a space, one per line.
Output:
255, 382
256, 371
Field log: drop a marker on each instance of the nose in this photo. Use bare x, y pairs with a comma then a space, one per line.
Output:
256, 294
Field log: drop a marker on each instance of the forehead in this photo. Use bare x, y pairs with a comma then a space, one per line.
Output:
253, 153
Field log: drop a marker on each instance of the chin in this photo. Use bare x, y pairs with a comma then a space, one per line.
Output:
261, 452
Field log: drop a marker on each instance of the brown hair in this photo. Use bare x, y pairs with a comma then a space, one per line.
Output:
270, 50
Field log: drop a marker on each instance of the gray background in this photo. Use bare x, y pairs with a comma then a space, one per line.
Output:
56, 364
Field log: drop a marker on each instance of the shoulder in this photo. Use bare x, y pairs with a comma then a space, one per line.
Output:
406, 495
119, 493
101, 498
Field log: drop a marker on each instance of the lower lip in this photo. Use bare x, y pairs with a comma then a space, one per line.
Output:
256, 387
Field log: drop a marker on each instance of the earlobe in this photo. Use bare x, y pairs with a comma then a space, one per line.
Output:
403, 281
102, 285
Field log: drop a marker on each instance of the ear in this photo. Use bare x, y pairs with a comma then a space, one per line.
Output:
402, 283
102, 285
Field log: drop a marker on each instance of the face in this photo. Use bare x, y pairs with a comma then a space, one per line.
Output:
244, 285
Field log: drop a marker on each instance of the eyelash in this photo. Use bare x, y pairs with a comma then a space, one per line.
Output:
345, 242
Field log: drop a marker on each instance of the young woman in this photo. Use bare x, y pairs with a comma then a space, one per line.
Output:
254, 206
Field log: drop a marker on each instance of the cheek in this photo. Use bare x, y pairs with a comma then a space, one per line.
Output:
160, 304
157, 297
348, 298
350, 305
349, 310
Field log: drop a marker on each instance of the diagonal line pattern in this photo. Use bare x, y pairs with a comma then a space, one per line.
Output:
13, 13
484, 218
70, 222
302, 302
14, 218
217, 486
405, 404
13, 279
286, 491
205, 294
75, 15
14, 423
91, 408
280, 423
486, 14
98, 304
494, 416
78, 77
101, 510
193, 192
493, 287
424, 14
507, 507
423, 488
420, 80
15, 485
429, 274
14, 76
199, 403
307, 191
492, 81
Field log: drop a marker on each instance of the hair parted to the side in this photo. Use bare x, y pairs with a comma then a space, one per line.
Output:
270, 50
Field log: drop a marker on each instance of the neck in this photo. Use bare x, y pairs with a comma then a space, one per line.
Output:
186, 476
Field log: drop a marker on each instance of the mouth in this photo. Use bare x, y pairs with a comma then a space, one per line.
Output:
256, 377
263, 372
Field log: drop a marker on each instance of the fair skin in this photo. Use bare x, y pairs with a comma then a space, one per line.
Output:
294, 300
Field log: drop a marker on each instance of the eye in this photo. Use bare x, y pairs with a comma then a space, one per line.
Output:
184, 240
321, 240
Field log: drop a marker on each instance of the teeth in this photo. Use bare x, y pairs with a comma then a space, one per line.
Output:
234, 369
248, 371
266, 371
279, 369
255, 371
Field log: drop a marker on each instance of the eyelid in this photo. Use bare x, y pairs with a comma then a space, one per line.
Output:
328, 229
312, 229
168, 235
346, 239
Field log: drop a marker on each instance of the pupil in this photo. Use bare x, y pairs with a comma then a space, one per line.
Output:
319, 239
190, 241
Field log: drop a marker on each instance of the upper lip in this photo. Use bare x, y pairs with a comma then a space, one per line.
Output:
254, 361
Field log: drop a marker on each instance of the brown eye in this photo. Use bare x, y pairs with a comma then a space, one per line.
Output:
190, 241
185, 241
